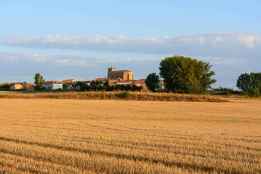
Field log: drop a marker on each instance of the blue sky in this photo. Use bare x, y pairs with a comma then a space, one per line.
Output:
80, 38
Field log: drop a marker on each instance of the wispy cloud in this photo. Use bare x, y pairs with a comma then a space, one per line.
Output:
68, 59
200, 44
55, 59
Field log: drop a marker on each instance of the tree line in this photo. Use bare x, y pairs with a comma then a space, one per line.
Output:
187, 75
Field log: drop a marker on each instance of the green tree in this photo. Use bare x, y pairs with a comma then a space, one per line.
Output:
81, 86
250, 83
39, 80
98, 85
153, 82
184, 74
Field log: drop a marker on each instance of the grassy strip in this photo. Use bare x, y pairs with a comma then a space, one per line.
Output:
140, 96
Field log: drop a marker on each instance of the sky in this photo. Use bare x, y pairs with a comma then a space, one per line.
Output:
79, 39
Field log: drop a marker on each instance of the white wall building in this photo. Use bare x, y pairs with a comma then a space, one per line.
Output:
53, 86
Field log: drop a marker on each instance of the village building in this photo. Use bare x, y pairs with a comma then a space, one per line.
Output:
140, 83
21, 86
68, 84
53, 85
120, 82
29, 87
162, 85
69, 81
121, 75
124, 78
16, 86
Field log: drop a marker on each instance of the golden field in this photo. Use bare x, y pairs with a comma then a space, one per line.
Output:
129, 137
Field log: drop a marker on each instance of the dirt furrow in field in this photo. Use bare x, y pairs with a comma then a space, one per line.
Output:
182, 150
25, 164
192, 165
224, 143
95, 163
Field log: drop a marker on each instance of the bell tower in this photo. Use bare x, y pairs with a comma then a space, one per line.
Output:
110, 69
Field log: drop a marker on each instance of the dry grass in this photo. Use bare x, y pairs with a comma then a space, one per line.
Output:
129, 137
140, 96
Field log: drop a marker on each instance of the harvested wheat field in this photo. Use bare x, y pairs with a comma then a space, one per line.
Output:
129, 137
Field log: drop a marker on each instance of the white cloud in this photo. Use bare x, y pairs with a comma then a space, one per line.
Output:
195, 44
249, 41
60, 60
68, 59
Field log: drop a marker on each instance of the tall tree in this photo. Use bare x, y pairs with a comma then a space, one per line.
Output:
39, 80
184, 74
153, 82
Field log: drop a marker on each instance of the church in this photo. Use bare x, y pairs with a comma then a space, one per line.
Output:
120, 75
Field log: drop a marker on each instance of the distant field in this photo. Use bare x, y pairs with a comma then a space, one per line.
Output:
129, 137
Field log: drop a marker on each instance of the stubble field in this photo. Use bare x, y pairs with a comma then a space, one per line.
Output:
129, 137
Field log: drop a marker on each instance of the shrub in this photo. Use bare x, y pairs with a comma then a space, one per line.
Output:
250, 83
153, 82
254, 92
124, 88
81, 86
224, 91
4, 87
123, 95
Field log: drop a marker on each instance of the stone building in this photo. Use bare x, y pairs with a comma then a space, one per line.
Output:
120, 75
